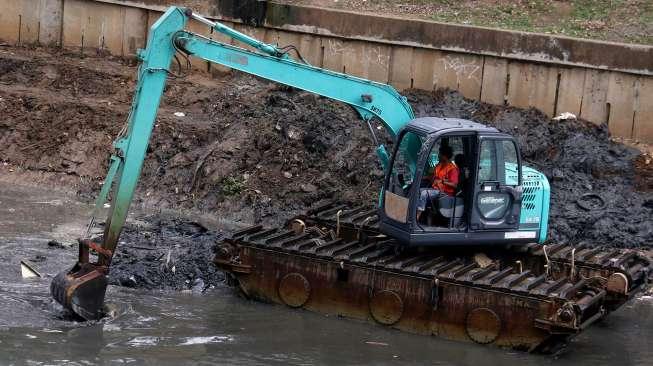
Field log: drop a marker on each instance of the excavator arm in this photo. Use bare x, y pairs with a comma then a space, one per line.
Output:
82, 288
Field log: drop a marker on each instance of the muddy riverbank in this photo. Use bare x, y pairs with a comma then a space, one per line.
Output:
244, 147
252, 151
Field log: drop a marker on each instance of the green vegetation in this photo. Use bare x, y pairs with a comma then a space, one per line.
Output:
231, 186
612, 20
617, 20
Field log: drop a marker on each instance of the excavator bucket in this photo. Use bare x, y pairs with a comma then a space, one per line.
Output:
82, 288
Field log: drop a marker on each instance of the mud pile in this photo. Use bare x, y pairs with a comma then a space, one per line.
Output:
160, 252
597, 194
267, 153
249, 151
244, 148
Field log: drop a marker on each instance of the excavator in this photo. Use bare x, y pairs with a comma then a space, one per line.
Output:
498, 202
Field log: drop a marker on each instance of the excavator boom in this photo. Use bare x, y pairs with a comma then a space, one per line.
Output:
82, 288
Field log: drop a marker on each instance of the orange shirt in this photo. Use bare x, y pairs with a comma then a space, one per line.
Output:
448, 172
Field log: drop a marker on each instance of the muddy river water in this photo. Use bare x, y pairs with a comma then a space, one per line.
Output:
218, 327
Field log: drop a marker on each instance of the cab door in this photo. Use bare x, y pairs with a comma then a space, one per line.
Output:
402, 178
497, 195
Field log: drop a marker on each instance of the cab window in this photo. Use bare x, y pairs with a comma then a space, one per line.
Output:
511, 162
498, 162
457, 147
487, 164
403, 167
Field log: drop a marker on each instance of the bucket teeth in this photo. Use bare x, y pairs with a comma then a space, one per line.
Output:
82, 294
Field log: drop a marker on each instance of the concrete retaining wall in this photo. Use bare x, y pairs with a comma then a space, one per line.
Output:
599, 81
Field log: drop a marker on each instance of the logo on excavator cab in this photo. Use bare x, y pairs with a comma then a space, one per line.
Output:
493, 201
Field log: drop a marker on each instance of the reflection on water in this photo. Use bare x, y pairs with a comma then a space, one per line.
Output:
164, 328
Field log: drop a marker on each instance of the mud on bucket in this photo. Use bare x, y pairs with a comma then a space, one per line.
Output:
81, 290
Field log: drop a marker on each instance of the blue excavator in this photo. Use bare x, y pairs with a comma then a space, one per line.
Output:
497, 201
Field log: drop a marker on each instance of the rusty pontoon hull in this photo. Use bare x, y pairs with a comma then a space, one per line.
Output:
531, 299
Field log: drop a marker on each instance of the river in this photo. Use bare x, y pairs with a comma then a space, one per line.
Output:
218, 327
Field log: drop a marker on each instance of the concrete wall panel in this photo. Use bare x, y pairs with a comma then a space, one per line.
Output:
643, 122
20, 20
543, 93
50, 18
271, 37
334, 51
377, 59
444, 74
152, 16
570, 90
105, 27
351, 59
621, 99
29, 21
288, 39
134, 31
595, 91
495, 77
10, 20
310, 48
74, 20
532, 85
93, 25
459, 72
469, 72
422, 66
520, 84
400, 67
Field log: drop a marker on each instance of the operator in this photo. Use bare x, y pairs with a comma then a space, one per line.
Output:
445, 180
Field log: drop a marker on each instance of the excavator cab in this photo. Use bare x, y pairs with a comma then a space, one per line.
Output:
487, 204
